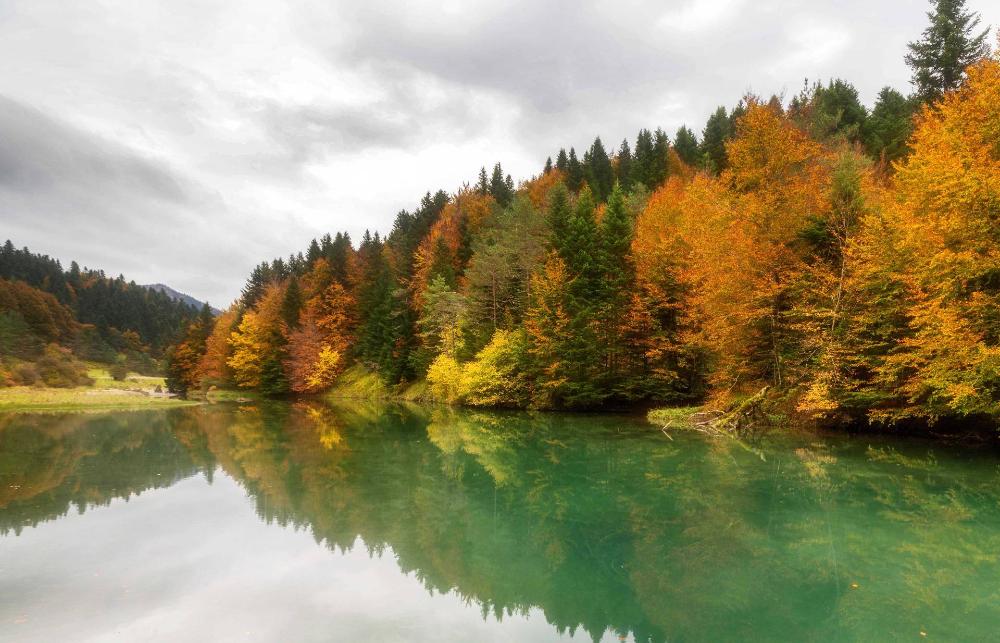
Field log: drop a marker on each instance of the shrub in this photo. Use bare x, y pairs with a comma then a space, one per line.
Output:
118, 371
444, 379
57, 368
26, 375
16, 337
496, 377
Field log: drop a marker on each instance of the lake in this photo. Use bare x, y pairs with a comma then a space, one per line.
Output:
302, 522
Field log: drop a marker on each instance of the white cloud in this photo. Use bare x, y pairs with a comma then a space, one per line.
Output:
699, 15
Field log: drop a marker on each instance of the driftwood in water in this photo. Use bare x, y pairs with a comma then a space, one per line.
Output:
745, 420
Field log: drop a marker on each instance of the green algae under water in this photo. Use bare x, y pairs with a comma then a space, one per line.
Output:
360, 523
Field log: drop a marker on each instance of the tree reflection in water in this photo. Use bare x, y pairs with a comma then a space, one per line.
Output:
595, 520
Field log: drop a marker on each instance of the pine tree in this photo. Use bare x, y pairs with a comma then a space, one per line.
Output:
260, 277
501, 189
615, 234
661, 148
339, 256
624, 167
889, 126
558, 215
718, 130
600, 175
841, 110
313, 253
562, 161
643, 165
483, 186
574, 171
686, 145
548, 165
291, 305
948, 46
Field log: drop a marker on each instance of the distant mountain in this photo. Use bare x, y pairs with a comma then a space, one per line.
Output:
179, 296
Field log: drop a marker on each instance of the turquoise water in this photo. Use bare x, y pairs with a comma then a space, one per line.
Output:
360, 523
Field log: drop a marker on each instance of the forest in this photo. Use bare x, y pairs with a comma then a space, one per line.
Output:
845, 257
51, 320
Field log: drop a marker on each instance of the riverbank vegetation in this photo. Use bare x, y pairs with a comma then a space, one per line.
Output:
101, 390
54, 322
846, 258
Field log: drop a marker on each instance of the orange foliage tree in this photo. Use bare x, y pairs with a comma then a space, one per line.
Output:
947, 212
213, 366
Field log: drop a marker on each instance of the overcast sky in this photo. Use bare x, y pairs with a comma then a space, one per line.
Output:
184, 141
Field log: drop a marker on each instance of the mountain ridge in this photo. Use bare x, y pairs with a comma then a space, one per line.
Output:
176, 295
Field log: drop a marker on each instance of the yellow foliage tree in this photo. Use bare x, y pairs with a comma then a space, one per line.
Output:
947, 212
444, 379
496, 377
255, 339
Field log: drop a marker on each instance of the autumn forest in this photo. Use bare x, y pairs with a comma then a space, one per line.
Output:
842, 260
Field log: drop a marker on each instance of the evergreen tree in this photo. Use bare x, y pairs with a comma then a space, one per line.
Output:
313, 253
661, 148
483, 186
624, 168
574, 171
686, 145
718, 130
600, 175
291, 305
841, 110
339, 257
501, 189
948, 46
558, 215
615, 242
889, 126
260, 277
562, 161
616, 280
548, 166
377, 327
643, 166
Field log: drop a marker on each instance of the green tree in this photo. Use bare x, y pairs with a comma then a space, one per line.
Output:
643, 165
718, 130
889, 126
574, 171
501, 189
291, 305
483, 185
623, 171
948, 46
686, 145
562, 161
600, 174
661, 148
839, 102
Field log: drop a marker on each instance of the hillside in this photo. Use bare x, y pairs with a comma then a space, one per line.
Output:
53, 320
781, 254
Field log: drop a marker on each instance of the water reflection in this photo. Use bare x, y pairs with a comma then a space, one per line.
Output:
594, 524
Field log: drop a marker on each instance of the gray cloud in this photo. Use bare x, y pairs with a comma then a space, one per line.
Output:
40, 154
185, 142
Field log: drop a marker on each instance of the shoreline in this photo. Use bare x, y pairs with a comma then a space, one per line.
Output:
29, 399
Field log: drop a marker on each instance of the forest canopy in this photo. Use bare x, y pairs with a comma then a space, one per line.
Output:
841, 254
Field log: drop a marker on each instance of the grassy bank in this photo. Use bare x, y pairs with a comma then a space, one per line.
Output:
358, 383
134, 392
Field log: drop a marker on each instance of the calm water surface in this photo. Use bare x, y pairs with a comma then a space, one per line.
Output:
310, 523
